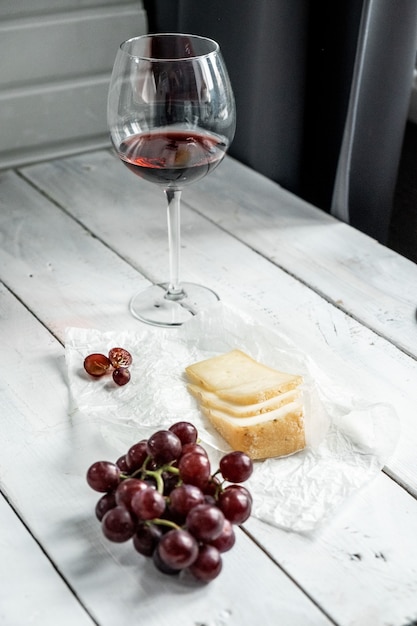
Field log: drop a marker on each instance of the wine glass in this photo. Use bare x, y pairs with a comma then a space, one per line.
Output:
171, 115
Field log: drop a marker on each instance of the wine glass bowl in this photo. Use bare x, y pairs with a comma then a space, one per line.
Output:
171, 116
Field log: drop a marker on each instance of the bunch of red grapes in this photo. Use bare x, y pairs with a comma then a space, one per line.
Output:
163, 495
117, 362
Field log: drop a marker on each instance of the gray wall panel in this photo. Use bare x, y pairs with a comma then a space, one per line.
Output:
55, 75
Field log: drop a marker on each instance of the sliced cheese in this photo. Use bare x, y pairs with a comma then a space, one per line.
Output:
211, 400
236, 377
255, 408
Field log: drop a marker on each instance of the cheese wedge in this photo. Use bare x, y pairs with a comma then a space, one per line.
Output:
255, 408
272, 434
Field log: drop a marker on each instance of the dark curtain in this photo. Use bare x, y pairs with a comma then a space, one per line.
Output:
322, 90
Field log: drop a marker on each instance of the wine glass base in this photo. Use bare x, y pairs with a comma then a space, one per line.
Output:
155, 306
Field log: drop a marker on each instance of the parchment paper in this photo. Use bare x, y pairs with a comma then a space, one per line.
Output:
349, 440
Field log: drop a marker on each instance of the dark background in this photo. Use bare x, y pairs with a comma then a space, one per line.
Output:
291, 64
403, 228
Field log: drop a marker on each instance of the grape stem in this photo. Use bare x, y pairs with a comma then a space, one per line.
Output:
165, 522
158, 479
219, 487
157, 475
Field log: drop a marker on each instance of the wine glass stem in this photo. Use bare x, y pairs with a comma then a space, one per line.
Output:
173, 196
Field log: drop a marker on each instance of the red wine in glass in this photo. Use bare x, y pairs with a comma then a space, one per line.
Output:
171, 158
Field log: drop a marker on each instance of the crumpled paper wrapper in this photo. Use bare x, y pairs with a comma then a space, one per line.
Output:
348, 439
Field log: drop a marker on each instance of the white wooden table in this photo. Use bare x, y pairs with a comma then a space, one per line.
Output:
78, 237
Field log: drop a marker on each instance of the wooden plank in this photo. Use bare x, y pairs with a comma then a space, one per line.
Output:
50, 493
367, 551
46, 254
353, 357
43, 597
351, 270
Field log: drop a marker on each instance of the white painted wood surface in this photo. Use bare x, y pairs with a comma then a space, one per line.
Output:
354, 272
77, 238
129, 216
33, 593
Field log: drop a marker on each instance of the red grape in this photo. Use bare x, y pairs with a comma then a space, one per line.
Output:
161, 565
136, 455
208, 563
226, 540
106, 502
185, 431
163, 495
194, 468
103, 476
184, 497
236, 503
193, 447
127, 489
178, 549
96, 364
146, 538
205, 522
148, 504
164, 446
119, 357
121, 376
236, 467
122, 464
118, 525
